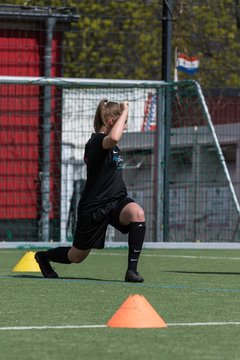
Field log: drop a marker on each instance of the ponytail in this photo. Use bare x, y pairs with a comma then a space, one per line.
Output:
98, 119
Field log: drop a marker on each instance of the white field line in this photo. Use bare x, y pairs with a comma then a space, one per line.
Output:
172, 256
160, 255
64, 327
206, 323
46, 327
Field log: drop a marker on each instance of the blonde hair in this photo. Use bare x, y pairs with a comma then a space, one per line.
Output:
106, 110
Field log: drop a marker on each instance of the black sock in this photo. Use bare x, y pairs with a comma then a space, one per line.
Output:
59, 255
135, 241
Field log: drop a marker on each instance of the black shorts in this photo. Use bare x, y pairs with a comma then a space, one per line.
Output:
91, 227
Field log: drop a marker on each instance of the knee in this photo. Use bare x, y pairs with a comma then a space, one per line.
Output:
140, 216
132, 213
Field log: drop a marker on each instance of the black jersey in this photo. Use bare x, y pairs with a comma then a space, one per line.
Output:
104, 175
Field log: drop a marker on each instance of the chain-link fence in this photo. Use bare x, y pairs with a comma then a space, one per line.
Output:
43, 172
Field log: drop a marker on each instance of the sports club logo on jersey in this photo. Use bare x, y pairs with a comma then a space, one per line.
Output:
117, 158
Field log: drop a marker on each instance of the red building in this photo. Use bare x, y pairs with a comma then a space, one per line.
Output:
24, 36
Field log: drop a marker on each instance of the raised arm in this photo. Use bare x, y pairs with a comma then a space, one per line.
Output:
116, 128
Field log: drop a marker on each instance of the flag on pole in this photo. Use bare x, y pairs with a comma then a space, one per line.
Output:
187, 64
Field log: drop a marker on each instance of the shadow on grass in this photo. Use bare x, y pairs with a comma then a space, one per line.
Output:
26, 276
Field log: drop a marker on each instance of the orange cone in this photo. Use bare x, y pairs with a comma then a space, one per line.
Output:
136, 312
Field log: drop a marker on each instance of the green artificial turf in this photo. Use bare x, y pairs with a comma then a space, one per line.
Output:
183, 286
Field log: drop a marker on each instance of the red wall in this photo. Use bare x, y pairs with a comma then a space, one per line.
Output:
21, 54
224, 109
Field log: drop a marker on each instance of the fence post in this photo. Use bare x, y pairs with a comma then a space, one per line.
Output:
159, 164
166, 76
46, 134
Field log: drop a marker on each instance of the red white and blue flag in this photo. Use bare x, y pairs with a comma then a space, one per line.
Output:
187, 64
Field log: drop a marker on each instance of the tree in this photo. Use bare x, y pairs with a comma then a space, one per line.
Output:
210, 31
123, 39
117, 40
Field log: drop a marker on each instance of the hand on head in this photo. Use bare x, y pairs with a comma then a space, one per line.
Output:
125, 105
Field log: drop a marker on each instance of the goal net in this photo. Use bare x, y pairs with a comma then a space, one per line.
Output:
203, 201
45, 124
